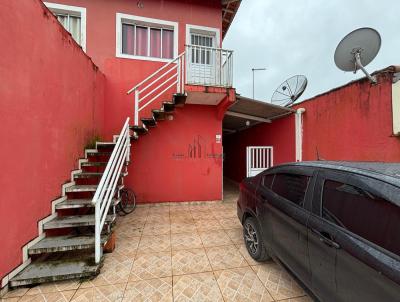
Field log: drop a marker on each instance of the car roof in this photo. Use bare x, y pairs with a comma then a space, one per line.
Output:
389, 172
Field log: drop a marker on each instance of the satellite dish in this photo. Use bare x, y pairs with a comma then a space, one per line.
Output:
289, 91
357, 50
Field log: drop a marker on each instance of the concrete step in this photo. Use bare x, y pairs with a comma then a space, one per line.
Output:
94, 175
179, 99
94, 164
61, 222
79, 203
98, 153
81, 188
85, 188
105, 144
168, 106
159, 115
57, 269
149, 122
139, 129
64, 243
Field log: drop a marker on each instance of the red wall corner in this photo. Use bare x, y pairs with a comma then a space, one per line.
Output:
52, 105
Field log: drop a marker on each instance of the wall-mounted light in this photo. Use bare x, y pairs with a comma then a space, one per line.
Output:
140, 4
247, 123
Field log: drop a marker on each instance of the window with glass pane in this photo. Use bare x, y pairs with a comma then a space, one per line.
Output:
267, 180
128, 39
291, 187
72, 24
362, 213
201, 55
147, 41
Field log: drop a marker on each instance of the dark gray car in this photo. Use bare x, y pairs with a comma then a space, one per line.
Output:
334, 225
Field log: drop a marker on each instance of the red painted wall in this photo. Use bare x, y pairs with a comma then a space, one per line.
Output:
353, 122
123, 74
52, 104
279, 134
170, 179
163, 169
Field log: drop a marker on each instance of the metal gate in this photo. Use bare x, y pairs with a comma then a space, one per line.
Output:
258, 159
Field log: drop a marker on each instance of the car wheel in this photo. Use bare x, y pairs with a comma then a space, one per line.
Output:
253, 240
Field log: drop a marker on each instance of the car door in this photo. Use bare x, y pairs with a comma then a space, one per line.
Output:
322, 248
367, 261
284, 210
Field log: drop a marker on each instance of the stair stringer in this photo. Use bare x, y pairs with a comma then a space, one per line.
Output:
26, 260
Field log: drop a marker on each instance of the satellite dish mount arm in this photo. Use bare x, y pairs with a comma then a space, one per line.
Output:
358, 65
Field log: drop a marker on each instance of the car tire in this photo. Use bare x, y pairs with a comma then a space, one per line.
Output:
253, 240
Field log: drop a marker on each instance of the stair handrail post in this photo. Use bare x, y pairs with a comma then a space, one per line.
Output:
128, 145
183, 75
108, 183
97, 242
178, 82
136, 120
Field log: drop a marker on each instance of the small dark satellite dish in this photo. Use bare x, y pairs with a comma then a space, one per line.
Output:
289, 91
357, 50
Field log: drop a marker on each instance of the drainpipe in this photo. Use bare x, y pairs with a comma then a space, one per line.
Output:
299, 133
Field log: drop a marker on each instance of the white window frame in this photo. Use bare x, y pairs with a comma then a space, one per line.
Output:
71, 10
203, 30
147, 22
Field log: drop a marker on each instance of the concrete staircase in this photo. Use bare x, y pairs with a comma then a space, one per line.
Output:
67, 249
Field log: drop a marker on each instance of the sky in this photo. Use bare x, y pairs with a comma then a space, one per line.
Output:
290, 37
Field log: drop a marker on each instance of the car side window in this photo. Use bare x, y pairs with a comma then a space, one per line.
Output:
362, 213
291, 187
267, 180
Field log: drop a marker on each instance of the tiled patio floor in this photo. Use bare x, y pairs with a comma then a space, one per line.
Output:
177, 253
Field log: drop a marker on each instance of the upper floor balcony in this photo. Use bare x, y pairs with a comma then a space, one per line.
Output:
200, 66
209, 66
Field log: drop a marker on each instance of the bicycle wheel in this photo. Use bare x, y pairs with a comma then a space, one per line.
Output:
128, 200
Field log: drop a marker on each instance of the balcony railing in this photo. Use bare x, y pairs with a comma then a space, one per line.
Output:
209, 66
197, 65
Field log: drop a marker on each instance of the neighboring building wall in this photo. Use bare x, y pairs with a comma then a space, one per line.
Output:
179, 160
279, 134
51, 106
353, 122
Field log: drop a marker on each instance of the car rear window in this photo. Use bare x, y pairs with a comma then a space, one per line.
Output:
291, 187
362, 213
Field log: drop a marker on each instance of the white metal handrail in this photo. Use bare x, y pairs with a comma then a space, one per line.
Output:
108, 184
159, 84
209, 66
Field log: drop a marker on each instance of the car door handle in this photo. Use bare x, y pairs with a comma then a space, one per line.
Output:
326, 238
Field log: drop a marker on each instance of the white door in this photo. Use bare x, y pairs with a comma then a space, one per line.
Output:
258, 159
202, 56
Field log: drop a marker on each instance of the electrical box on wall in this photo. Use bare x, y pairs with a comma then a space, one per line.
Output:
396, 108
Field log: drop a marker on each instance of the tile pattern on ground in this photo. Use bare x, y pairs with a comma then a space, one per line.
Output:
241, 284
277, 281
190, 261
53, 287
214, 238
149, 290
49, 297
153, 244
224, 257
100, 293
180, 252
196, 287
151, 265
184, 241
